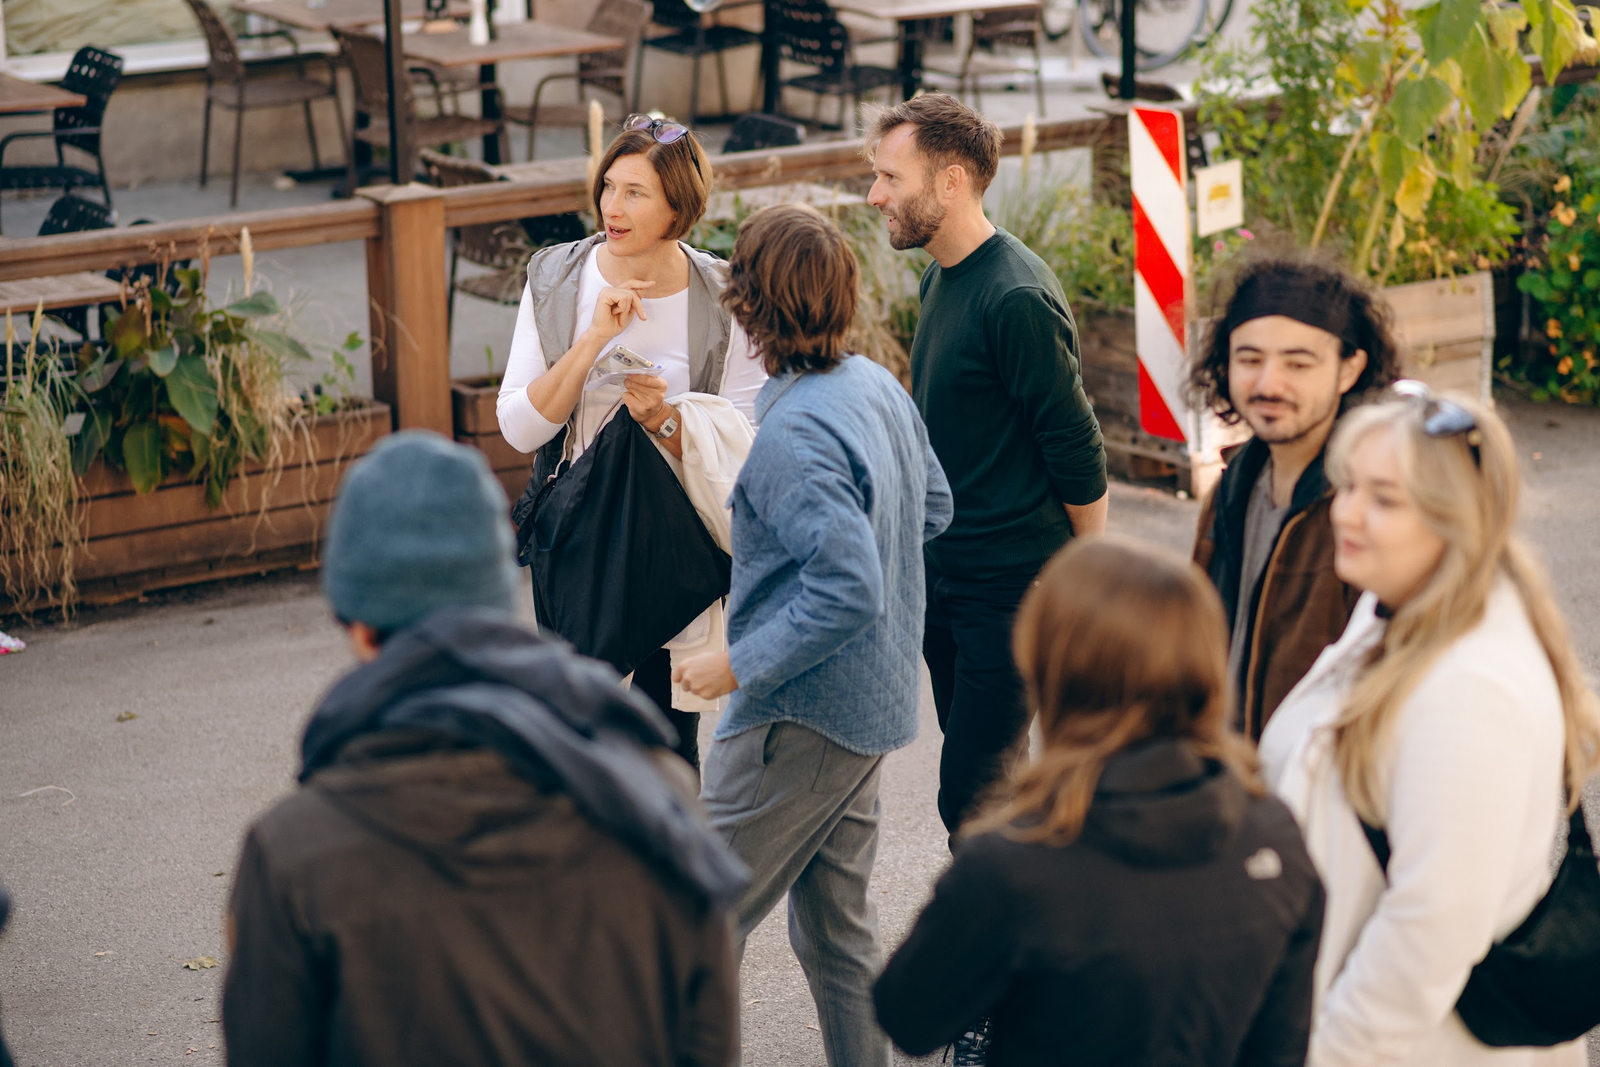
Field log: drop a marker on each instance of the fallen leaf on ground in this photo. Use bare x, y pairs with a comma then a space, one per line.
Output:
218, 874
199, 963
106, 953
125, 716
152, 1033
813, 1026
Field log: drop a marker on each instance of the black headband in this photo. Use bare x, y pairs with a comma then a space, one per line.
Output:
1323, 305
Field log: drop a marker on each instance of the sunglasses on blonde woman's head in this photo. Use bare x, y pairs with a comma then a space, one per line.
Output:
662, 130
1441, 416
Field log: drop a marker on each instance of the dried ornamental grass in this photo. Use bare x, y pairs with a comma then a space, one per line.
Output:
40, 528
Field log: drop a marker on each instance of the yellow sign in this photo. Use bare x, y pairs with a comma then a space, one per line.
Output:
1219, 197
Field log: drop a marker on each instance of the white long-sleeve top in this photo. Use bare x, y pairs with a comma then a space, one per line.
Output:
1473, 803
662, 337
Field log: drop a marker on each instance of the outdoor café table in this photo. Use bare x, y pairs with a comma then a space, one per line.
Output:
18, 96
302, 16
910, 18
512, 40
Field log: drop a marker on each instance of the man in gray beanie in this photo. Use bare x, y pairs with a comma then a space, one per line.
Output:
489, 859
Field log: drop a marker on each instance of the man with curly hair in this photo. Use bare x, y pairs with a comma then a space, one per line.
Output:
1297, 344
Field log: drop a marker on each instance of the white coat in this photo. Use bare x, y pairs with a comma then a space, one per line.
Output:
716, 441
1474, 801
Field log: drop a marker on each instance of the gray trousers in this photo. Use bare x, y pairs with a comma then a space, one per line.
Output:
802, 812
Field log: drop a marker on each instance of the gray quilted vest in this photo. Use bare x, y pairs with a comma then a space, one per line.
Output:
553, 275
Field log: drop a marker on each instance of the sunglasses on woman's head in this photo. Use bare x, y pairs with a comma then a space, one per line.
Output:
662, 130
1441, 417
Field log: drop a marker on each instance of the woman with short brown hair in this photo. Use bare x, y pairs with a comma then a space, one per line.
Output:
634, 285
1133, 897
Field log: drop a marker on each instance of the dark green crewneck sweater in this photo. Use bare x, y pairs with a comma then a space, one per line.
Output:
994, 371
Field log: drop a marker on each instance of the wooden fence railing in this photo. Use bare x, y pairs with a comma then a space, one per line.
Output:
404, 229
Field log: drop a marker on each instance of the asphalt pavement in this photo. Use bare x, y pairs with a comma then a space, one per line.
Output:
137, 743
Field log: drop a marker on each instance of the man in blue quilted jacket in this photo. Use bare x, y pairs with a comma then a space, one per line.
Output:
830, 514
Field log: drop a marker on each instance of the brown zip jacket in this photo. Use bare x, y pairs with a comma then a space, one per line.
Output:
1299, 606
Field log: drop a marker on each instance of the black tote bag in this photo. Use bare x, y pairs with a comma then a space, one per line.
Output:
1541, 985
621, 561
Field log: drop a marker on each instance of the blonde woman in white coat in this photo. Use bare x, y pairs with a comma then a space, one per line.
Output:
1452, 714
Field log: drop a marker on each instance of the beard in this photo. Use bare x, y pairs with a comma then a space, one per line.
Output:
1294, 425
917, 222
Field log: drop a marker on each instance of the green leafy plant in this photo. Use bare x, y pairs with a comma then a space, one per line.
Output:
1563, 278
185, 387
1378, 127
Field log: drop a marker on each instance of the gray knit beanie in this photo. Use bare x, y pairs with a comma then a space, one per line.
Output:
419, 523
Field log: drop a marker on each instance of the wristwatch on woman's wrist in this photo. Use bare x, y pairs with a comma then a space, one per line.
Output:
668, 428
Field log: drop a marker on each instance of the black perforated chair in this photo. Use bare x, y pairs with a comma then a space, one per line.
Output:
692, 37
93, 74
73, 214
810, 33
757, 130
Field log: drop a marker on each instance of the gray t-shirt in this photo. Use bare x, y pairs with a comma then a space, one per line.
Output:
1262, 521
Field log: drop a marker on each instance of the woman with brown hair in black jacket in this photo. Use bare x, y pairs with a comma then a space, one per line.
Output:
1134, 898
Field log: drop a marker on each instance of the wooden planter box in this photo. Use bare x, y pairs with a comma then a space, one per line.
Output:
1446, 332
134, 544
472, 403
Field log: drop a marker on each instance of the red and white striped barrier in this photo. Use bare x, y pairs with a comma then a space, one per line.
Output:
1161, 270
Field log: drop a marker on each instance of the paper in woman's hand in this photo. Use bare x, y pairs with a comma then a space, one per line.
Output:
617, 365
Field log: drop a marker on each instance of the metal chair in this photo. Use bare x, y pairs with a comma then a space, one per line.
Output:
693, 38
607, 71
810, 33
992, 35
228, 84
364, 53
74, 214
503, 247
93, 74
758, 130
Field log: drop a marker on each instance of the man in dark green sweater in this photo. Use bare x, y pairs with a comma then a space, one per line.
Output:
994, 371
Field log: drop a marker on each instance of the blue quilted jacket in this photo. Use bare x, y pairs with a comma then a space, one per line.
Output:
830, 513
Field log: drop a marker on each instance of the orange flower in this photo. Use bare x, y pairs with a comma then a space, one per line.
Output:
1552, 328
1563, 183
1564, 368
1564, 214
1574, 261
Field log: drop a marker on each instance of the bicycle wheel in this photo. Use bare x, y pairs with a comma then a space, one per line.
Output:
1057, 17
1163, 31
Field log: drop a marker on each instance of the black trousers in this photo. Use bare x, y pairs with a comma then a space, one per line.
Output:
653, 678
976, 689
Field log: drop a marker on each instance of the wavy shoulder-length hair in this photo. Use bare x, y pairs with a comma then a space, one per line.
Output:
1471, 503
1118, 643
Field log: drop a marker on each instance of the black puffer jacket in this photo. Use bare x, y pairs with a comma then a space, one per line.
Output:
1179, 929
5, 912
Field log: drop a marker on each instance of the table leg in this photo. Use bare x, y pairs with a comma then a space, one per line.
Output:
490, 109
771, 90
911, 43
